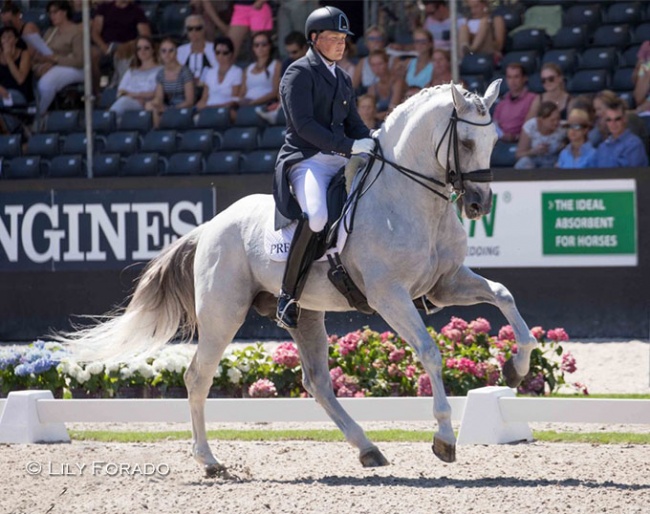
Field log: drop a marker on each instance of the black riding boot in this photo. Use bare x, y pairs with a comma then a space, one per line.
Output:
301, 255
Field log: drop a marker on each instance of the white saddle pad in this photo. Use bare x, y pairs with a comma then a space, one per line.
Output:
278, 242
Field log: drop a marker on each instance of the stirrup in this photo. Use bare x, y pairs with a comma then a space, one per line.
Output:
287, 314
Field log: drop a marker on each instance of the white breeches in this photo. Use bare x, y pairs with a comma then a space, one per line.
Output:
54, 81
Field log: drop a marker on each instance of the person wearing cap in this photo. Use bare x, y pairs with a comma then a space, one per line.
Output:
323, 130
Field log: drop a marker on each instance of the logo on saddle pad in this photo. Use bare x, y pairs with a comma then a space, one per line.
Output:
278, 242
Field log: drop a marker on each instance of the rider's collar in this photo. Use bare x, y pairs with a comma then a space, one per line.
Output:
330, 65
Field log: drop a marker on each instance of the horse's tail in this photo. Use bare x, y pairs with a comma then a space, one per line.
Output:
161, 306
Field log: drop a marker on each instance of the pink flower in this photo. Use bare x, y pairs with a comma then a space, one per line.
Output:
397, 355
333, 339
557, 335
424, 385
538, 333
385, 336
480, 326
506, 333
410, 370
345, 392
568, 363
335, 374
534, 385
262, 388
581, 388
350, 342
286, 354
452, 333
458, 323
393, 370
378, 364
360, 394
470, 339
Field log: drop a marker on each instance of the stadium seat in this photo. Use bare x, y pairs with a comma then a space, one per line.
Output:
605, 58
64, 166
503, 155
177, 119
530, 39
23, 167
124, 143
10, 145
240, 138
623, 12
106, 165
511, 15
629, 57
103, 121
581, 14
571, 37
75, 143
535, 83
546, 17
611, 35
142, 164
199, 140
184, 163
160, 141
628, 96
223, 163
475, 83
588, 81
528, 59
565, 58
477, 64
259, 161
641, 33
107, 98
43, 144
39, 16
247, 117
217, 118
172, 19
140, 121
622, 79
273, 138
62, 121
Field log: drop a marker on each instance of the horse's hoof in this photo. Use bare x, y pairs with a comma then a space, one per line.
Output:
510, 375
373, 458
445, 451
219, 471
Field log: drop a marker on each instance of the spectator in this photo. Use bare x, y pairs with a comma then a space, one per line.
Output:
198, 54
28, 33
295, 46
16, 84
174, 83
222, 84
419, 70
438, 22
346, 64
216, 16
411, 91
261, 78
641, 77
600, 131
374, 39
388, 91
138, 85
249, 16
368, 111
512, 110
579, 153
291, 17
541, 139
622, 148
114, 27
64, 66
554, 91
441, 68
481, 33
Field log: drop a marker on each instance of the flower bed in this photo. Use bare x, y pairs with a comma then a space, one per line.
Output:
362, 363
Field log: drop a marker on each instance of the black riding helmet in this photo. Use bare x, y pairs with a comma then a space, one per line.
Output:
327, 18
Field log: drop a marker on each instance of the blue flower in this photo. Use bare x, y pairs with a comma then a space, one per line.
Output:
9, 357
22, 370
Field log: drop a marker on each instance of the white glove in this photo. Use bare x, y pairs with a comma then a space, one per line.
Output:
366, 145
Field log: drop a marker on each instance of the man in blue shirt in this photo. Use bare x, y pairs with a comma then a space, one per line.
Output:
621, 149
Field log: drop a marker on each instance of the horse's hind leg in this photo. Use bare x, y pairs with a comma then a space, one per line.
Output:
311, 338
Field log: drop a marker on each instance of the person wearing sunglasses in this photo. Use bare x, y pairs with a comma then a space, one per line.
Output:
198, 54
374, 39
418, 71
261, 82
481, 32
438, 22
554, 91
295, 46
621, 149
541, 139
323, 130
222, 83
579, 153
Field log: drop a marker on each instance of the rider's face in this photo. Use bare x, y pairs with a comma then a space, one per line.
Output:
330, 44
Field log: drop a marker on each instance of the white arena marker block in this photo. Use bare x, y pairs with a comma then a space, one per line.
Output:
21, 424
483, 423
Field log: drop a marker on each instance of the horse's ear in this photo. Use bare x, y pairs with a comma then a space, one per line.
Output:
492, 93
460, 102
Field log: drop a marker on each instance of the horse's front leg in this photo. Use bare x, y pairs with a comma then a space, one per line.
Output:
467, 288
396, 307
311, 338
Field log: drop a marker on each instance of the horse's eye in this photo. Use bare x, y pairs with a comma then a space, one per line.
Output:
468, 144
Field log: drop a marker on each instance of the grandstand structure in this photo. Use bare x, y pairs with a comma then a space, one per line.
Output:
594, 42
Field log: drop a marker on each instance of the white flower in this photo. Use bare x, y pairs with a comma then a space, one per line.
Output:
234, 375
218, 371
144, 369
126, 373
112, 367
244, 367
82, 376
95, 368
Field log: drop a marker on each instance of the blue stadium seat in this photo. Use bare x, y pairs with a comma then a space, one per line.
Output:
259, 161
10, 145
65, 166
177, 119
199, 140
240, 138
622, 79
623, 12
571, 37
581, 14
184, 163
43, 144
565, 58
611, 35
641, 33
503, 155
477, 64
475, 83
107, 98
217, 118
140, 121
75, 143
160, 141
588, 81
62, 121
39, 16
103, 121
605, 58
23, 167
273, 138
529, 59
530, 39
247, 117
172, 19
143, 164
629, 57
223, 163
511, 15
106, 165
124, 143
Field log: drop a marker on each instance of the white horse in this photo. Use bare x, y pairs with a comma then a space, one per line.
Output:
407, 242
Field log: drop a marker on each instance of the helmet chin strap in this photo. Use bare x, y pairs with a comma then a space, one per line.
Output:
313, 44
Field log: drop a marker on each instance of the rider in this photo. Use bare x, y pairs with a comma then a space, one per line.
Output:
323, 130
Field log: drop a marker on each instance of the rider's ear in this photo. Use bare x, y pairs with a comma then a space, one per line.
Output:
492, 93
460, 102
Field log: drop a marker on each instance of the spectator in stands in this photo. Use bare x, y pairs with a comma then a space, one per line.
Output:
554, 91
441, 68
419, 70
389, 89
347, 64
438, 22
600, 131
641, 77
374, 39
249, 16
482, 33
512, 110
291, 16
262, 77
216, 16
411, 91
174, 83
541, 139
368, 111
295, 47
138, 85
64, 66
114, 27
16, 84
579, 153
622, 148
198, 54
28, 32
222, 84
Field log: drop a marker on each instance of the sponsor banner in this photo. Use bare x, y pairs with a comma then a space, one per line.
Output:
96, 229
564, 224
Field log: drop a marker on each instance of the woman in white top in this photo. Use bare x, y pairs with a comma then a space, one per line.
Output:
261, 83
221, 84
198, 54
138, 85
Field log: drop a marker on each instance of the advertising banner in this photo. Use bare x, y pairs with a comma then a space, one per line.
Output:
96, 229
562, 223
